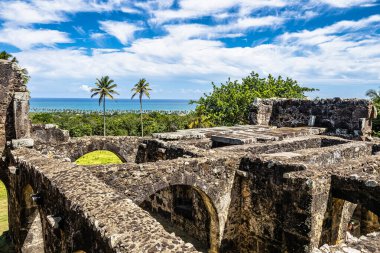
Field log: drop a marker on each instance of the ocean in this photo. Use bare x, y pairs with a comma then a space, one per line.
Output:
120, 105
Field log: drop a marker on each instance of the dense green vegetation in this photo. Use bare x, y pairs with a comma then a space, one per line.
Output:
374, 95
118, 124
99, 157
228, 104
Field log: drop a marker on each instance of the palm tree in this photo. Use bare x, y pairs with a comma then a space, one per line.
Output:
104, 88
141, 88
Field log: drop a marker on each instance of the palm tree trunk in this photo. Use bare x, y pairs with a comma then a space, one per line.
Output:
142, 126
104, 116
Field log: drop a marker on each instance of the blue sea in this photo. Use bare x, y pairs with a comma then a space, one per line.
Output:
121, 105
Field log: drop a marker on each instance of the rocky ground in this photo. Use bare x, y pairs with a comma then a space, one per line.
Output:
365, 244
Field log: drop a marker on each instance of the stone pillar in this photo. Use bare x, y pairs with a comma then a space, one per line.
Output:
260, 112
22, 123
13, 107
304, 206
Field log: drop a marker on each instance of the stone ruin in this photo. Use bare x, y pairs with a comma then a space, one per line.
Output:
296, 180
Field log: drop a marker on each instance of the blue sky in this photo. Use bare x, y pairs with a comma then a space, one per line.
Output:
181, 46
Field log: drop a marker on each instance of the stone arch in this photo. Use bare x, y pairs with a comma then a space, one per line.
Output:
336, 220
31, 234
344, 216
364, 221
181, 203
81, 150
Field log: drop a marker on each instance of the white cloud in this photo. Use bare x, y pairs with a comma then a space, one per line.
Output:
312, 57
199, 8
85, 87
233, 29
347, 3
24, 38
168, 57
328, 33
123, 31
130, 10
23, 12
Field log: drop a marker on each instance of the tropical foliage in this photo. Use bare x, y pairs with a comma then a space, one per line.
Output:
24, 72
141, 88
105, 87
228, 104
117, 124
374, 95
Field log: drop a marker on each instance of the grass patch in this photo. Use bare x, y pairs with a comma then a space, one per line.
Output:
99, 157
5, 244
3, 209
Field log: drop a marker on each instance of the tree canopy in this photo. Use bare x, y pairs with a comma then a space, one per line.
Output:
228, 104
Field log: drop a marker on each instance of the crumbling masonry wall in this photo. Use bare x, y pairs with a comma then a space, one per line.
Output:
346, 117
14, 104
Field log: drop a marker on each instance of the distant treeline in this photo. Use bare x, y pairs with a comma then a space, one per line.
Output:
108, 111
86, 124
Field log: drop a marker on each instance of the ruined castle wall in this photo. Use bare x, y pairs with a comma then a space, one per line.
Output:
156, 150
125, 147
350, 117
79, 212
256, 216
14, 104
49, 134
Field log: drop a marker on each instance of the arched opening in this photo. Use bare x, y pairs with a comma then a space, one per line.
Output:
344, 219
5, 241
31, 226
363, 222
189, 213
99, 157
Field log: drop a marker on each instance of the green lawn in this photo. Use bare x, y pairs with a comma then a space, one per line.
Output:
5, 245
3, 209
99, 157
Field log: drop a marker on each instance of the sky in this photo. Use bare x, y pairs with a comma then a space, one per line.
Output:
181, 46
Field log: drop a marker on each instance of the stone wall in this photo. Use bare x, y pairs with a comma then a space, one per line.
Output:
49, 134
346, 117
125, 147
14, 104
155, 150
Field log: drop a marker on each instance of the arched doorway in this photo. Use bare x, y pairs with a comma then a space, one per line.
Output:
344, 219
363, 221
188, 212
31, 226
99, 157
